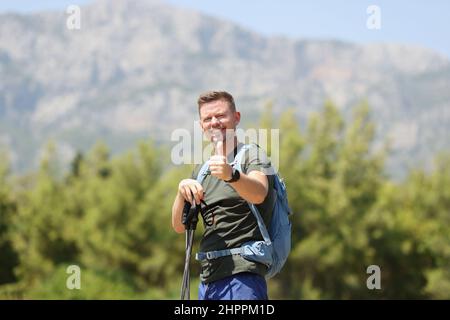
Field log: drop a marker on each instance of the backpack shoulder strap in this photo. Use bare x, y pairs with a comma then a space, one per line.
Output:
202, 173
237, 163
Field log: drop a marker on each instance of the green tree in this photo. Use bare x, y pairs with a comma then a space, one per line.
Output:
8, 257
38, 227
333, 181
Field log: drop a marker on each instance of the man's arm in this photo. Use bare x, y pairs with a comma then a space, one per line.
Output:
177, 212
253, 187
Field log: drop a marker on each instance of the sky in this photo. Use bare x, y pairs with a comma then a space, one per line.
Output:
418, 22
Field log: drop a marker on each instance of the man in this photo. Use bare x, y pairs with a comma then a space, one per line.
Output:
228, 220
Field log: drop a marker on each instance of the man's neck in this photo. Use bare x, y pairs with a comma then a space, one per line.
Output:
230, 146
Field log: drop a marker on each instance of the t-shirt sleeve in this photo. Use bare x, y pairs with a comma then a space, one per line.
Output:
257, 159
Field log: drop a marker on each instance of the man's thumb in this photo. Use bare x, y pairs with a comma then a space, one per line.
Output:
219, 148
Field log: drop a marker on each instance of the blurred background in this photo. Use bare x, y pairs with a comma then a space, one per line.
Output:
90, 94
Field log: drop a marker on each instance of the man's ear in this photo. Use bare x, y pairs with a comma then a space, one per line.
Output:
237, 117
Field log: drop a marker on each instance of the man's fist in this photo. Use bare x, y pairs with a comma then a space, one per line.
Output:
189, 187
220, 168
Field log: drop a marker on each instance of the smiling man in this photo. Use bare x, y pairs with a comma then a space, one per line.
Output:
228, 220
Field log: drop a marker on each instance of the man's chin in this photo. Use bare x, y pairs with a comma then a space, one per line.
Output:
221, 135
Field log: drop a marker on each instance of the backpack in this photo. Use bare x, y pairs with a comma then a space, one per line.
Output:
274, 249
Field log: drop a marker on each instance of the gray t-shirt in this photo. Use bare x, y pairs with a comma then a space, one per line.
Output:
232, 221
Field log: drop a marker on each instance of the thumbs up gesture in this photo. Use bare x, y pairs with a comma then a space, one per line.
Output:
218, 163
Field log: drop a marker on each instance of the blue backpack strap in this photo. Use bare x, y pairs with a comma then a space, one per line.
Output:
202, 173
238, 165
217, 254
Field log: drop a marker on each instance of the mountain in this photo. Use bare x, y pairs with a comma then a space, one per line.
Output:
135, 69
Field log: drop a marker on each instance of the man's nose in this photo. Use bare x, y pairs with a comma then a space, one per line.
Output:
215, 122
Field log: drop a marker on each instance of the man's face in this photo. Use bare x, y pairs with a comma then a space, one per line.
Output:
218, 120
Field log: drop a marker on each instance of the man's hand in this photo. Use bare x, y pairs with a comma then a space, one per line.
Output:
189, 187
220, 168
218, 164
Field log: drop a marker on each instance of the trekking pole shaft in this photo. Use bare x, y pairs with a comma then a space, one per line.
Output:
185, 287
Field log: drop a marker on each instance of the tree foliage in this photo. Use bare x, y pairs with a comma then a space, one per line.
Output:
111, 216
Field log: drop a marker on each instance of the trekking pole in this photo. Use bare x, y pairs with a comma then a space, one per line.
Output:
190, 219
